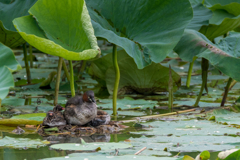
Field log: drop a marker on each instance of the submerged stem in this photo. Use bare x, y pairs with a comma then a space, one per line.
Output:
71, 78
117, 78
226, 92
190, 72
58, 80
205, 65
31, 56
66, 70
26, 63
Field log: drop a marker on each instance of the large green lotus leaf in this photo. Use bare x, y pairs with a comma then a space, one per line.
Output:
8, 59
22, 142
194, 43
128, 103
147, 31
224, 116
33, 116
201, 16
188, 136
143, 81
220, 23
6, 82
9, 10
90, 146
30, 119
8, 63
17, 122
231, 44
231, 6
65, 31
94, 156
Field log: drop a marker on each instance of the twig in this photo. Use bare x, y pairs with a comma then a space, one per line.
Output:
140, 150
38, 127
116, 152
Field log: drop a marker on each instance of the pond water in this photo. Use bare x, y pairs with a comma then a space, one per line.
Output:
189, 133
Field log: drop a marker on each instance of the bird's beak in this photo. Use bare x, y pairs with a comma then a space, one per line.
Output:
91, 99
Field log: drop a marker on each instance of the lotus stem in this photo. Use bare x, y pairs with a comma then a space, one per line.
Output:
83, 66
226, 92
58, 80
117, 78
231, 85
31, 56
205, 65
190, 72
66, 70
26, 64
71, 78
170, 90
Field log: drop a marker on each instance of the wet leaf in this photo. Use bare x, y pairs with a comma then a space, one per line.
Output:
90, 146
33, 116
128, 103
22, 142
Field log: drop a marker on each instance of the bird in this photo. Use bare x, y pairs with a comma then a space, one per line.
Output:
54, 118
81, 110
102, 118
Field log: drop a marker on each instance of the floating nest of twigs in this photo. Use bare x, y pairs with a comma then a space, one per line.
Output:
112, 127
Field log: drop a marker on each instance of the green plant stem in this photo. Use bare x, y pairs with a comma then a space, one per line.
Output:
190, 72
117, 78
205, 65
26, 63
66, 70
226, 92
83, 66
170, 90
31, 56
71, 78
58, 80
0, 105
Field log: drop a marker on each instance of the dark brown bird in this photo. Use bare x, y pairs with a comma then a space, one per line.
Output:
81, 112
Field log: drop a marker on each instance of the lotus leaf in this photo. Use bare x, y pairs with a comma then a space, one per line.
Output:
72, 39
90, 156
231, 6
147, 31
226, 17
201, 16
128, 103
8, 64
194, 43
90, 146
151, 79
9, 10
191, 135
22, 142
33, 116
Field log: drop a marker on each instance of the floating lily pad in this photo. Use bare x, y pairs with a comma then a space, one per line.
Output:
91, 156
128, 103
90, 146
33, 116
22, 142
